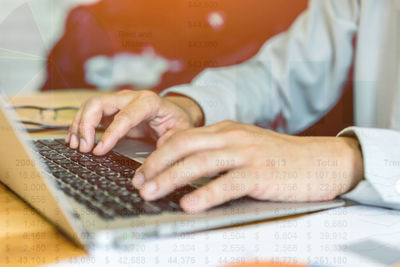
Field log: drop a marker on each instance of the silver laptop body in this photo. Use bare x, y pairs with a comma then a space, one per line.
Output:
22, 170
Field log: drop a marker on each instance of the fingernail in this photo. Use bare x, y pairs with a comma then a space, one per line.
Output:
82, 144
138, 180
150, 188
74, 142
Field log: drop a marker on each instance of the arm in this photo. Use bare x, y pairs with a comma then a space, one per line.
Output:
297, 75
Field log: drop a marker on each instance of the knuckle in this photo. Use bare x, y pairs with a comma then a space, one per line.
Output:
235, 132
147, 95
150, 98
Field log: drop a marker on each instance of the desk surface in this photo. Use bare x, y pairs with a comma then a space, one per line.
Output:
26, 239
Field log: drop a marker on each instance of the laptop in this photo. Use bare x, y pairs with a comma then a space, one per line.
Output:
91, 199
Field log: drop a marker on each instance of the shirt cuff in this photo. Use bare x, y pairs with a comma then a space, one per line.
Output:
381, 157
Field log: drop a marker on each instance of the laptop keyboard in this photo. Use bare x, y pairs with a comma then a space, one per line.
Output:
102, 183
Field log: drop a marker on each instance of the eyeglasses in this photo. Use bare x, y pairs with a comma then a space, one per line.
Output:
41, 119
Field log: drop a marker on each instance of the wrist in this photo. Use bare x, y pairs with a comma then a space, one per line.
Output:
355, 158
191, 107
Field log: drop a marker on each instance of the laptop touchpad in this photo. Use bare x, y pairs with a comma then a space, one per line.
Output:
134, 149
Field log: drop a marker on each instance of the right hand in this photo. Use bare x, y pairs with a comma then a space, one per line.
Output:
135, 114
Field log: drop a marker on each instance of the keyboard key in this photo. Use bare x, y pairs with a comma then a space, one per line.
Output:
67, 190
111, 177
77, 184
60, 141
104, 215
63, 175
102, 185
99, 196
102, 160
88, 164
135, 199
114, 190
75, 169
122, 182
57, 146
92, 180
108, 203
166, 204
55, 157
93, 167
125, 212
70, 165
85, 174
48, 142
55, 168
107, 172
131, 188
46, 153
87, 189
63, 161
128, 173
43, 148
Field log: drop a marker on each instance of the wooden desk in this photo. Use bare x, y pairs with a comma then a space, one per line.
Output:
26, 239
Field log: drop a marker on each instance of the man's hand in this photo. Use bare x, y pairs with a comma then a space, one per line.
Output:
250, 161
131, 113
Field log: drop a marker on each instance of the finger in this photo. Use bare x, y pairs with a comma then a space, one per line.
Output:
73, 131
234, 184
204, 164
139, 110
167, 135
93, 112
178, 147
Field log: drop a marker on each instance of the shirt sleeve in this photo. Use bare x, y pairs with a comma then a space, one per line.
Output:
296, 77
381, 156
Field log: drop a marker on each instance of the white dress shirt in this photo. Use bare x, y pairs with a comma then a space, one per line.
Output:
298, 77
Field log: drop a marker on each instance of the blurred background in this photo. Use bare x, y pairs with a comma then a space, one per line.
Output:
110, 44
152, 44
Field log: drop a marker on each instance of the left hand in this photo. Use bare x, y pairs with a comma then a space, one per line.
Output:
256, 162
